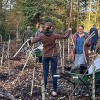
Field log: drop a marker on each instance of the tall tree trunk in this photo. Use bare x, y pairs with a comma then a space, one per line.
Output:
1, 8
18, 36
70, 24
89, 16
78, 13
70, 14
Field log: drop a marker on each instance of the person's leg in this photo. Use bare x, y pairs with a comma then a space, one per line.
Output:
75, 67
80, 62
81, 59
40, 59
45, 69
76, 60
53, 71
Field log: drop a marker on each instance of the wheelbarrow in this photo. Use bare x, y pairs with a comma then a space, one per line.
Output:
84, 82
37, 52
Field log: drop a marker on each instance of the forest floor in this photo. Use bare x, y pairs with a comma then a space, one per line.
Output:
16, 85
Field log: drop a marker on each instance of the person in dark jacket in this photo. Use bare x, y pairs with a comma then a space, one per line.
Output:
26, 35
94, 39
48, 39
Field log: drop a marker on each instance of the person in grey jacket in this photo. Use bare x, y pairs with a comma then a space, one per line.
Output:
38, 33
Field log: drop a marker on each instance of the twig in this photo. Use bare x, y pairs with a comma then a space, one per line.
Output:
27, 61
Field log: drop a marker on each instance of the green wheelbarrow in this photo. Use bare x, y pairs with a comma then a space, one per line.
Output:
83, 82
37, 52
84, 78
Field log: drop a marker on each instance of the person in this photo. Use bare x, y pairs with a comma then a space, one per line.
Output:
94, 39
79, 53
48, 39
38, 33
26, 35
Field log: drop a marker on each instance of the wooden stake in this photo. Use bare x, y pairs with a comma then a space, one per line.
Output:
42, 90
63, 60
33, 80
8, 55
60, 53
2, 55
33, 77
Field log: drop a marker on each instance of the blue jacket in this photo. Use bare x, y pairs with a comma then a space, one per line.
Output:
94, 39
80, 43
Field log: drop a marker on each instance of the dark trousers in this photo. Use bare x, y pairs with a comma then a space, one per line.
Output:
40, 59
83, 69
53, 61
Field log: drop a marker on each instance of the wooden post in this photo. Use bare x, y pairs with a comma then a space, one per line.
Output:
1, 38
26, 61
93, 85
69, 23
2, 55
60, 53
33, 80
42, 90
63, 60
8, 55
33, 77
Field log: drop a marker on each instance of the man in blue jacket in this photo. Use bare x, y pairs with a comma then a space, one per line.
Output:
94, 39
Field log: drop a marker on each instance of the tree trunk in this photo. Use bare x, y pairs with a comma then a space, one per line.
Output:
69, 24
0, 7
70, 14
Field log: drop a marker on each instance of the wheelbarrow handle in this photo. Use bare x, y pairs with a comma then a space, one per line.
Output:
21, 47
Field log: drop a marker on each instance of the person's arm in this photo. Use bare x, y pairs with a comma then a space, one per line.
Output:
34, 40
58, 36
